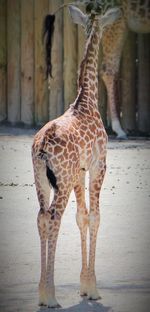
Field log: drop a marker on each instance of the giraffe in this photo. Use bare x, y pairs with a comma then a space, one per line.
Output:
135, 17
62, 152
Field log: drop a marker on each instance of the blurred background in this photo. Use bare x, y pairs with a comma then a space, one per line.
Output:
24, 96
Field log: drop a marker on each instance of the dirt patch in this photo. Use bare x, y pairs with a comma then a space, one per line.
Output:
123, 247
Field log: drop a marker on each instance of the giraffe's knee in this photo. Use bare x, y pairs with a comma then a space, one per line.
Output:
82, 219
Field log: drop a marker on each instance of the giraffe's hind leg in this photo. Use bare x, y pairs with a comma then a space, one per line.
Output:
54, 216
43, 193
97, 172
42, 283
82, 222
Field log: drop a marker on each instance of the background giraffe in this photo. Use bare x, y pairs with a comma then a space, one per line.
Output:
63, 150
136, 17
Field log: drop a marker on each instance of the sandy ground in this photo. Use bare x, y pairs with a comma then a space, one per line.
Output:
123, 248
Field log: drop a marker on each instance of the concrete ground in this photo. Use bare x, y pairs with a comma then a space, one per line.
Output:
123, 247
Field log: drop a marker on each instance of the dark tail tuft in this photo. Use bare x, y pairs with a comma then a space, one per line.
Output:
48, 31
51, 178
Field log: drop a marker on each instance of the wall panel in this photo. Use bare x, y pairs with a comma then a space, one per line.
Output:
13, 60
24, 94
27, 62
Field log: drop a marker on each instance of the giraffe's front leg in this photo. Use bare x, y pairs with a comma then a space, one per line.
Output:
111, 85
96, 179
110, 70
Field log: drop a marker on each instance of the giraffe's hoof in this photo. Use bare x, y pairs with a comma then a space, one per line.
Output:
52, 303
41, 304
93, 294
83, 284
42, 298
83, 294
57, 306
83, 289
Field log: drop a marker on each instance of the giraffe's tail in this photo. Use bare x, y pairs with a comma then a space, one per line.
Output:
49, 172
51, 178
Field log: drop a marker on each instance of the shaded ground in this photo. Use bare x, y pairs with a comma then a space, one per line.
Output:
123, 248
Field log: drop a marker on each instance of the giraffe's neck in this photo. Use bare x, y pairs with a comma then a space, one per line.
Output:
87, 80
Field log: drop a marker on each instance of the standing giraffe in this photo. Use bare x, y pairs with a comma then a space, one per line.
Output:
135, 17
63, 150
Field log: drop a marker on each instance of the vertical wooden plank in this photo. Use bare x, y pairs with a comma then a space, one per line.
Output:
2, 60
128, 83
70, 59
144, 83
41, 9
13, 60
27, 61
56, 101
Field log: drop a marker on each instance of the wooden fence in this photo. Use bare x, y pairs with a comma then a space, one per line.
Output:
24, 94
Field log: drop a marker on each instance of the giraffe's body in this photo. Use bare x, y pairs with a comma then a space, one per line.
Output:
63, 150
136, 17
